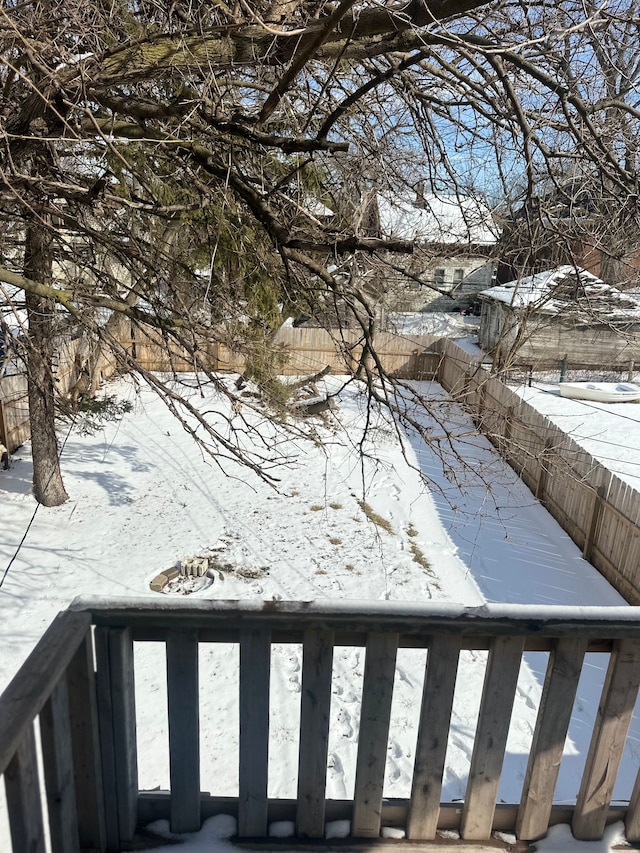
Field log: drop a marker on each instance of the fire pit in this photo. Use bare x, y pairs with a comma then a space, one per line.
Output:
190, 575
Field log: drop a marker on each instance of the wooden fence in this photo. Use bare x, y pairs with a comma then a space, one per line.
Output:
303, 351
14, 397
14, 410
596, 508
79, 684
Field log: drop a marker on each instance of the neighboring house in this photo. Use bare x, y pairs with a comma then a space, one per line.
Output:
561, 313
455, 240
581, 221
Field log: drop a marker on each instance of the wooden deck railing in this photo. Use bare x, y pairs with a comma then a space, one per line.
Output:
78, 684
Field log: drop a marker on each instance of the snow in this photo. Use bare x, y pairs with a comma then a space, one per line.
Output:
554, 292
144, 496
443, 219
215, 832
440, 323
282, 829
560, 840
610, 432
337, 829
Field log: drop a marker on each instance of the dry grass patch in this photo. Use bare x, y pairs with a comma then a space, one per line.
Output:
374, 517
316, 507
335, 505
335, 540
423, 562
412, 531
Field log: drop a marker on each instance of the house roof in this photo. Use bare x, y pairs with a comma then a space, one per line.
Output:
443, 219
567, 289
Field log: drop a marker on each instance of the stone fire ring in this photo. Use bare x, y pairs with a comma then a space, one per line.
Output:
160, 581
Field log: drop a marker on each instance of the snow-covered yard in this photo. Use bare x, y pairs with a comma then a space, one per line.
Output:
338, 525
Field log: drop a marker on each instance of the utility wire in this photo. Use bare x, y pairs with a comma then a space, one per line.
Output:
32, 519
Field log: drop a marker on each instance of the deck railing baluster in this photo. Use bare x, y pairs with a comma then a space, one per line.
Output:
255, 670
23, 798
57, 758
554, 716
607, 742
117, 717
377, 693
496, 706
314, 732
433, 733
184, 729
85, 740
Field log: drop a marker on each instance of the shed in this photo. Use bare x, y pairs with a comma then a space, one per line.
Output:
563, 312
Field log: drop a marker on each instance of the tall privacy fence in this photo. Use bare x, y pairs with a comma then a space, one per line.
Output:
304, 351
69, 358
14, 410
596, 508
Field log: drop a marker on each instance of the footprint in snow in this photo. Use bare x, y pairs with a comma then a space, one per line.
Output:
464, 747
336, 777
294, 684
394, 774
402, 675
526, 698
396, 750
344, 729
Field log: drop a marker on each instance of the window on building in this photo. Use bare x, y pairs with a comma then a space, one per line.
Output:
458, 276
84, 254
438, 277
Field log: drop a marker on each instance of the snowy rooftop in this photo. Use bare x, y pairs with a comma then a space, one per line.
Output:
443, 219
566, 288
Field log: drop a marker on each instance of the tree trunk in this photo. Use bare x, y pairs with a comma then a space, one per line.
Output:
47, 478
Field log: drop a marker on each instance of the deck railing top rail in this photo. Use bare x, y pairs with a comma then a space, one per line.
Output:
405, 617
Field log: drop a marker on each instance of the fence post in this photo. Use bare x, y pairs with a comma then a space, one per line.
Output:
506, 435
542, 476
594, 519
482, 394
4, 438
440, 370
